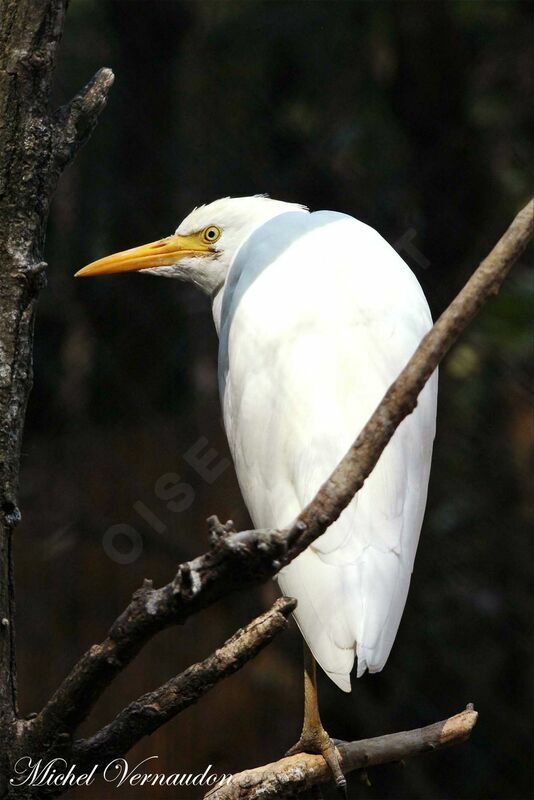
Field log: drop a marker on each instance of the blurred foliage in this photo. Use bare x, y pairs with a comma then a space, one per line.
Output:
413, 116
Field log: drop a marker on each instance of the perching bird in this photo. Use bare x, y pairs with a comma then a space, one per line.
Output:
316, 315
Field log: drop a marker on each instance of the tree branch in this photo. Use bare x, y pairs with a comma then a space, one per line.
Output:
295, 775
237, 560
153, 709
76, 121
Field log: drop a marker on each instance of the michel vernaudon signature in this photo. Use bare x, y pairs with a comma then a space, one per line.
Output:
57, 772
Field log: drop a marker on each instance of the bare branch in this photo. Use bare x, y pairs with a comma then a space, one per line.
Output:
295, 775
153, 709
76, 121
248, 557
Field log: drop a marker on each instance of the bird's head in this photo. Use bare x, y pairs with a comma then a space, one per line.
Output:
204, 245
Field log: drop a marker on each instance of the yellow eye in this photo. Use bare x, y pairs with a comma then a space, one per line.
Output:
211, 234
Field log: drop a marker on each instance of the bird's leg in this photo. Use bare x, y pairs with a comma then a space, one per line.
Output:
314, 738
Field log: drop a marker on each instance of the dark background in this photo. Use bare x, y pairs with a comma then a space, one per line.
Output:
412, 117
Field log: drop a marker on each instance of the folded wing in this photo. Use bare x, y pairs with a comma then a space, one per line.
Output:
311, 337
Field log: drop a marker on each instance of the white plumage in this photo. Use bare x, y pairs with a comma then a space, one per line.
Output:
316, 315
317, 318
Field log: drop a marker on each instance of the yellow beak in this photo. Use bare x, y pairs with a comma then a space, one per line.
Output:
163, 253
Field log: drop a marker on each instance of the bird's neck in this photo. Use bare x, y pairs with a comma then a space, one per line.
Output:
216, 307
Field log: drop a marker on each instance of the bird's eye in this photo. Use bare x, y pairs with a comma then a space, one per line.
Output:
211, 234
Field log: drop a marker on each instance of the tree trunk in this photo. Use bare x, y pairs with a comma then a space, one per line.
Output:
34, 148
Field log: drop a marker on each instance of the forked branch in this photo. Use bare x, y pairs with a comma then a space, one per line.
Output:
153, 709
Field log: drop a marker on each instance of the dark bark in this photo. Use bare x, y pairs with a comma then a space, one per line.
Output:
153, 709
34, 148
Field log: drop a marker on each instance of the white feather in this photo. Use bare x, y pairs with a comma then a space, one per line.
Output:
317, 317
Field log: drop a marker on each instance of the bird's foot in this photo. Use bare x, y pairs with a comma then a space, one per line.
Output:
318, 742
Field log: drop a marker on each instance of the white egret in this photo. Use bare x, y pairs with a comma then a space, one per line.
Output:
316, 315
